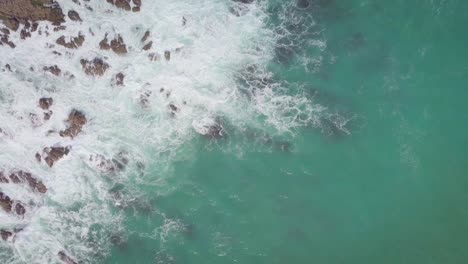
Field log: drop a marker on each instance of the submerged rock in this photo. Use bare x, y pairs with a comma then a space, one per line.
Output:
76, 121
53, 154
73, 15
210, 128
65, 258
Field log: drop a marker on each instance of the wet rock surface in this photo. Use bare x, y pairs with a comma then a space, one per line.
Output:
73, 43
5, 234
128, 5
55, 70
94, 67
46, 102
26, 177
54, 154
76, 121
5, 202
118, 45
65, 258
19, 11
119, 79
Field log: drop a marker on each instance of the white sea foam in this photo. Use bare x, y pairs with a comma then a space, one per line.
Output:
77, 213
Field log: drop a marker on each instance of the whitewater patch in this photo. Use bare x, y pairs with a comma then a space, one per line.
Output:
170, 93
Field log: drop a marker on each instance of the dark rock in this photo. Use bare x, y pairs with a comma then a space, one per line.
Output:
144, 99
146, 36
122, 4
76, 121
96, 67
5, 234
53, 154
47, 115
118, 45
11, 12
148, 45
3, 179
55, 70
119, 78
167, 55
46, 102
73, 15
136, 9
34, 26
104, 44
25, 34
19, 209
5, 202
38, 157
153, 56
65, 258
75, 42
22, 176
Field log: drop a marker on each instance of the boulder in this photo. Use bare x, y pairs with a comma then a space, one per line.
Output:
119, 79
95, 67
76, 121
46, 102
118, 45
53, 154
146, 36
19, 209
148, 45
5, 202
104, 44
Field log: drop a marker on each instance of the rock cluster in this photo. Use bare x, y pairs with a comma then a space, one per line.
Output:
133, 5
95, 67
74, 42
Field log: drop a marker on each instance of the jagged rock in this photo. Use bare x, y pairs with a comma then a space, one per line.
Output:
73, 15
38, 157
46, 102
13, 12
34, 26
5, 202
148, 45
118, 45
74, 43
65, 258
102, 164
96, 67
4, 39
8, 67
119, 79
25, 34
21, 177
53, 154
173, 109
76, 121
104, 44
55, 70
146, 36
59, 28
167, 55
5, 234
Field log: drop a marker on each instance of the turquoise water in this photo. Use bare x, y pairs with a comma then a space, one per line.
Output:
388, 188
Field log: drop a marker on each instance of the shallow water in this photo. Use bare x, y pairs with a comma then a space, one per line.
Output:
344, 135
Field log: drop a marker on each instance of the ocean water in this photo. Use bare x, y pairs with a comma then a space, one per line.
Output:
344, 135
